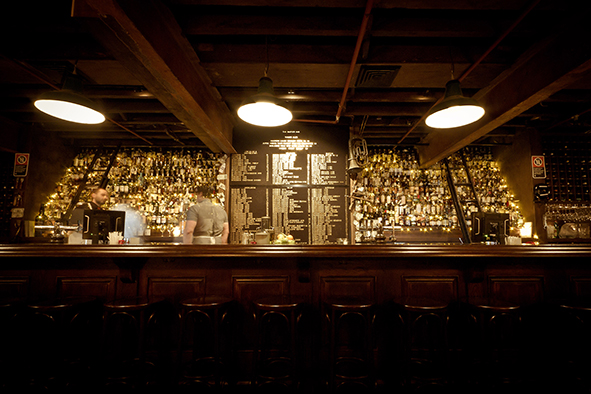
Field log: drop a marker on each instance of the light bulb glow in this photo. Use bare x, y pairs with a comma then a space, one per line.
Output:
264, 114
69, 111
456, 116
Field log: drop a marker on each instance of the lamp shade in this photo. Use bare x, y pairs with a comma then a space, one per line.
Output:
262, 108
68, 104
454, 110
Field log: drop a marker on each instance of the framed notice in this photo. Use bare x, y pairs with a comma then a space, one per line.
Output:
538, 167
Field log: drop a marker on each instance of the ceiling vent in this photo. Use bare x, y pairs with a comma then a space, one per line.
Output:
376, 76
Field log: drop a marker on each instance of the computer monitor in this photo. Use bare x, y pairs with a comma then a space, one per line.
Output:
490, 227
97, 224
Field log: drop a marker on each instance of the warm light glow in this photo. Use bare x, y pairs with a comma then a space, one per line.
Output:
526, 230
69, 111
456, 116
264, 114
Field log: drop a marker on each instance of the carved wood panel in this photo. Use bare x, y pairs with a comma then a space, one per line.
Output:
176, 289
444, 288
14, 287
520, 290
580, 286
334, 287
102, 287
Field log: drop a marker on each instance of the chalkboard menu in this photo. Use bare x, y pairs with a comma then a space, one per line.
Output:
296, 175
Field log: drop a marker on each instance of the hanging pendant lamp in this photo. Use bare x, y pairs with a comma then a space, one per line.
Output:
263, 109
69, 103
454, 110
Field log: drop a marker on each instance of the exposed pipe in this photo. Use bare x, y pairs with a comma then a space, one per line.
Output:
43, 78
477, 62
360, 37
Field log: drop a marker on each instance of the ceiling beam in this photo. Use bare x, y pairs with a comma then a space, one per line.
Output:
551, 65
145, 37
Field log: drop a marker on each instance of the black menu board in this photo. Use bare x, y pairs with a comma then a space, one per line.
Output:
296, 175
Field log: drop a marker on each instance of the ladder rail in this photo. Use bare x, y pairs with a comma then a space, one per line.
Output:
457, 205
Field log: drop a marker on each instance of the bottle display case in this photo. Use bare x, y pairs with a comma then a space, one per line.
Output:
159, 184
393, 193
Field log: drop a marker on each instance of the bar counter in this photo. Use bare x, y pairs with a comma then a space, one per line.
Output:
317, 276
174, 250
520, 274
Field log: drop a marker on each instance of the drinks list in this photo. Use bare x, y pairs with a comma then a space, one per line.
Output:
295, 174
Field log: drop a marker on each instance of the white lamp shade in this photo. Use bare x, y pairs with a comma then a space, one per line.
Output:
456, 116
264, 114
68, 110
262, 109
69, 104
454, 110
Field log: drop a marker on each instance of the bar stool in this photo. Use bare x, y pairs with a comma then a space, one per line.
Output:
573, 345
351, 344
202, 358
57, 338
10, 341
498, 353
129, 326
426, 322
276, 358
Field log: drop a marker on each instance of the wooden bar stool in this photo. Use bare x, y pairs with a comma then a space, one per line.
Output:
499, 337
203, 359
129, 325
351, 344
57, 337
276, 358
573, 345
426, 322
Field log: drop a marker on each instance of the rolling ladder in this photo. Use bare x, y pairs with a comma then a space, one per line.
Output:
457, 200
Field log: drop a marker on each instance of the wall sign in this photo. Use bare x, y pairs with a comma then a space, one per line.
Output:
296, 176
21, 164
538, 167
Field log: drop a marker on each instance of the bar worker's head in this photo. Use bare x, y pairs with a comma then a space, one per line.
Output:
203, 192
99, 196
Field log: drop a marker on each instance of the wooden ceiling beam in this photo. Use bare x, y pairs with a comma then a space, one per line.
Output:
551, 65
145, 37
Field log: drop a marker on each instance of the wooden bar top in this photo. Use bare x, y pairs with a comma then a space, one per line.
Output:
291, 251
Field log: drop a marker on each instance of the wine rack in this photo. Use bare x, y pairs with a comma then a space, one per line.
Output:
568, 169
7, 183
160, 184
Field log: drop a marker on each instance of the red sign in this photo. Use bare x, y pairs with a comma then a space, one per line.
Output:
538, 167
21, 164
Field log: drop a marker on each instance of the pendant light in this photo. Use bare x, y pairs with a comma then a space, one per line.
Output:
454, 110
69, 103
263, 109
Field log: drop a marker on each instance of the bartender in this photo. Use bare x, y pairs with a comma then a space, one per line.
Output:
98, 196
206, 223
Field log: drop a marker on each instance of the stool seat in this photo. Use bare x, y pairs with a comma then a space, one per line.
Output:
205, 302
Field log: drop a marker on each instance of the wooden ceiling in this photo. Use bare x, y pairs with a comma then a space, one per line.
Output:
173, 73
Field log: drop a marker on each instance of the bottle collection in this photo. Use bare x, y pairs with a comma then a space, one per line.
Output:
159, 184
392, 190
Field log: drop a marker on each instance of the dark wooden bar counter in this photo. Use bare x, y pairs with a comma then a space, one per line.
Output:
381, 275
380, 272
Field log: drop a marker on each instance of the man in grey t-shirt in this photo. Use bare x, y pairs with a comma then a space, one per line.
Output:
206, 223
